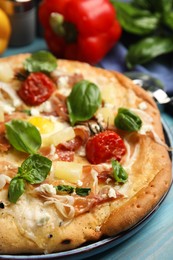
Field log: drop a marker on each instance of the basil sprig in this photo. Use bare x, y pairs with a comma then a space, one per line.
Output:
67, 189
83, 101
33, 170
127, 120
119, 174
23, 136
41, 61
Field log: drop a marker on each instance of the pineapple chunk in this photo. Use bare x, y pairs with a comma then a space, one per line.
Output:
109, 94
58, 137
106, 114
6, 72
68, 171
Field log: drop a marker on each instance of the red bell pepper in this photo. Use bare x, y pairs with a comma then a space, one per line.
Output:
82, 30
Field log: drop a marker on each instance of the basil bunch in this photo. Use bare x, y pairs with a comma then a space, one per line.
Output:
83, 101
25, 137
127, 120
152, 24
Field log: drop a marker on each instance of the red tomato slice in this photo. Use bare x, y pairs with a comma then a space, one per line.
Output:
36, 89
105, 146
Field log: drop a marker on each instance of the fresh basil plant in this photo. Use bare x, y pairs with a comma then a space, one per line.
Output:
83, 101
148, 29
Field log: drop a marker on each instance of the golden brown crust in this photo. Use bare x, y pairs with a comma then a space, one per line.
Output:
149, 180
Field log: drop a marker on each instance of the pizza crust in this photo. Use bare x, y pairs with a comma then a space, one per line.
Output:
150, 179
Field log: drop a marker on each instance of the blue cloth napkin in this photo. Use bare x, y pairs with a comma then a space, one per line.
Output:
160, 68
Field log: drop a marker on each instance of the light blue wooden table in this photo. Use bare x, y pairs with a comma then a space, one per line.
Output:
155, 240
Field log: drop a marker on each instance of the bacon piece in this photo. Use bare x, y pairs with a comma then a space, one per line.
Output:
104, 177
71, 145
85, 204
73, 79
59, 105
58, 154
63, 155
82, 132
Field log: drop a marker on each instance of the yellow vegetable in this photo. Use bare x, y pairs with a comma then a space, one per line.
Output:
5, 31
107, 115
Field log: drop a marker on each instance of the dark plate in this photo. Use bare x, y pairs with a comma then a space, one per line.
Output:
104, 244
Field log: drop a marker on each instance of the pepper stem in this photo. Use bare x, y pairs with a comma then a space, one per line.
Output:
63, 28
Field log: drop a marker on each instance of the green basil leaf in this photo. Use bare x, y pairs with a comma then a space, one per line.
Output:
83, 191
119, 174
147, 49
64, 189
16, 189
134, 20
41, 61
127, 120
35, 168
83, 101
23, 136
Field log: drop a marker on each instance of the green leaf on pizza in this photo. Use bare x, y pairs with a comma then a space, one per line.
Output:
83, 191
83, 101
127, 120
119, 174
64, 189
23, 136
33, 170
67, 189
16, 189
41, 61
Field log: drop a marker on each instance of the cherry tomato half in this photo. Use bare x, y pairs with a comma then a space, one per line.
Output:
105, 146
36, 89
